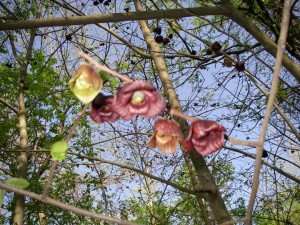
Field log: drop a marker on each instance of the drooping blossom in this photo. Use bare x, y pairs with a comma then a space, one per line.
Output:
86, 83
138, 98
205, 137
165, 136
101, 109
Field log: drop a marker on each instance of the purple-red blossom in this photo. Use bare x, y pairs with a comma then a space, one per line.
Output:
165, 136
205, 137
138, 98
101, 109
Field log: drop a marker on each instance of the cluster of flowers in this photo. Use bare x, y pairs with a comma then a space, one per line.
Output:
142, 98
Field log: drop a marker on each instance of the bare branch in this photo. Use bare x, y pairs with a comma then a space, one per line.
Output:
266, 163
272, 97
176, 186
67, 139
9, 105
241, 19
116, 17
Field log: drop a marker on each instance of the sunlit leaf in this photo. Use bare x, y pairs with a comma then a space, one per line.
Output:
59, 150
113, 82
104, 75
17, 182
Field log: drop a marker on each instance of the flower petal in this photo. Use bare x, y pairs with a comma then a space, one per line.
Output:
101, 110
169, 147
85, 83
147, 100
205, 137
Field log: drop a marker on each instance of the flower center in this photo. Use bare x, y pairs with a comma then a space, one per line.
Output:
137, 97
162, 138
106, 108
82, 83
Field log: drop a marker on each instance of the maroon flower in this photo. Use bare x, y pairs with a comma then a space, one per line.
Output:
205, 137
138, 98
101, 109
165, 136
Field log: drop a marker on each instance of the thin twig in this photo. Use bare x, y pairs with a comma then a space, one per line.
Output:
174, 185
54, 163
272, 97
104, 68
270, 165
176, 112
242, 142
50, 178
73, 129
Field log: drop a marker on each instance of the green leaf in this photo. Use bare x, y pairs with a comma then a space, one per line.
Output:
113, 82
281, 92
59, 150
2, 192
104, 76
17, 182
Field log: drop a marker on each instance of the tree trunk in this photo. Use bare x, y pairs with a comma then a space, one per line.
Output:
22, 160
18, 214
204, 176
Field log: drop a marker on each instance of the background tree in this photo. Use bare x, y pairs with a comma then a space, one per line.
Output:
211, 59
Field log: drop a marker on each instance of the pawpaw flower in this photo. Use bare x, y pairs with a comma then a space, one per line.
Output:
165, 136
205, 137
85, 83
101, 109
138, 98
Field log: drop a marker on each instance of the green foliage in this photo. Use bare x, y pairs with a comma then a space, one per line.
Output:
113, 81
155, 211
282, 93
98, 187
282, 210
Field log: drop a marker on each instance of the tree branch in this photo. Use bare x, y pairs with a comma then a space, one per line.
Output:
114, 17
9, 106
226, 9
272, 97
203, 174
269, 45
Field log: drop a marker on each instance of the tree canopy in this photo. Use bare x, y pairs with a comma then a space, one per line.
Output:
149, 112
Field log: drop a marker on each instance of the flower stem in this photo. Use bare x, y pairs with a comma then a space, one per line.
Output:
67, 139
101, 67
176, 112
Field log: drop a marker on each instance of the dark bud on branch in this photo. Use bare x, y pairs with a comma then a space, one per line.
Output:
157, 30
216, 47
240, 66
